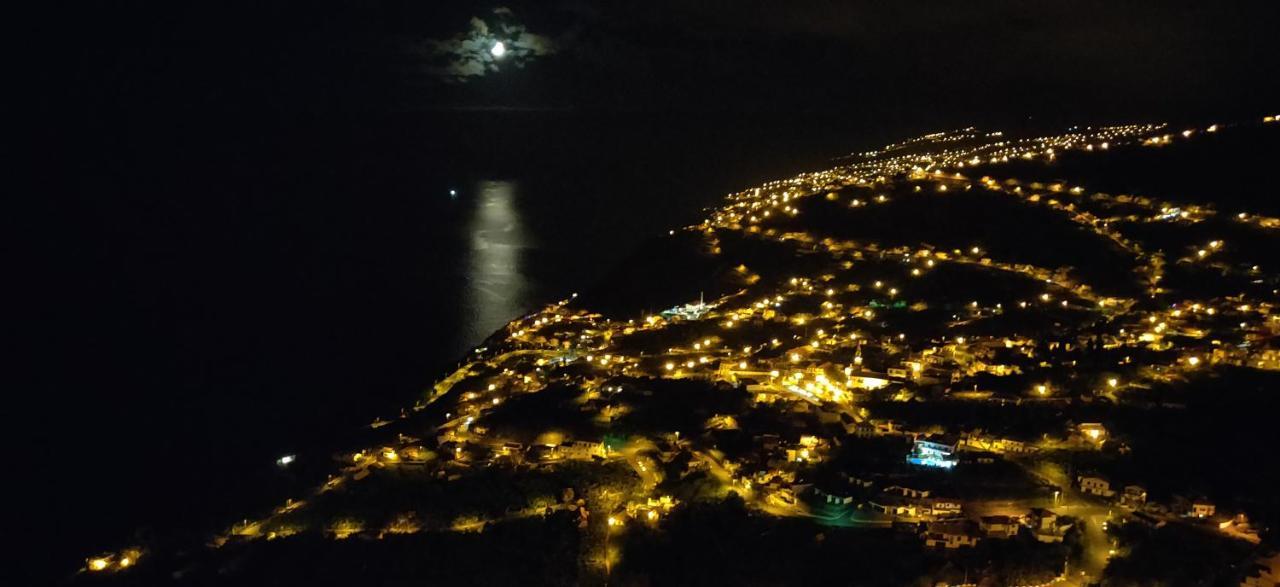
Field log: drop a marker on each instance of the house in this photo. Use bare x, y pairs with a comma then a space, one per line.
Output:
1048, 526
933, 451
942, 507
999, 526
1095, 485
583, 449
907, 491
1202, 508
950, 535
1133, 496
896, 505
875, 428
837, 499
1041, 519
914, 503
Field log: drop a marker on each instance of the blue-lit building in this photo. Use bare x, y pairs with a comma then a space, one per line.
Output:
689, 311
933, 452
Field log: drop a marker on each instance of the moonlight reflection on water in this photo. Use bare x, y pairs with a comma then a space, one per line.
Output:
496, 289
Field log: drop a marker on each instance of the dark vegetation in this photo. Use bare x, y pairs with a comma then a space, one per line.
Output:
721, 544
1233, 169
1000, 225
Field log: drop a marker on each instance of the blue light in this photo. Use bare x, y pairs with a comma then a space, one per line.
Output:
931, 462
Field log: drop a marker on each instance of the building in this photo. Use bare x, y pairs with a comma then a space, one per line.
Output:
999, 526
877, 428
942, 507
1047, 526
1133, 496
933, 452
907, 491
896, 505
1041, 519
1202, 508
582, 449
914, 503
690, 311
1095, 485
950, 535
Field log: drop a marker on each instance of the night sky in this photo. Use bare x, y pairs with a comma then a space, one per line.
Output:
901, 60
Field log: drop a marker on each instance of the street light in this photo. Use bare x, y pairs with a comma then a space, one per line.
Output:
608, 533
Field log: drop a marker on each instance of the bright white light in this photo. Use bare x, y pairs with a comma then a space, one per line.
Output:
498, 50
285, 460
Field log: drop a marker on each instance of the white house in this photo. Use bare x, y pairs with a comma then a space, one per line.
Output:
1095, 485
950, 535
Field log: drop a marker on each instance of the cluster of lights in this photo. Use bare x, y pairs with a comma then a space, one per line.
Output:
932, 162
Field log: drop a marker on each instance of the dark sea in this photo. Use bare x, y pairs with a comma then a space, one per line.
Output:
214, 292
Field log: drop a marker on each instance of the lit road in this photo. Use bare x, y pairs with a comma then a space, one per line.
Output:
1097, 546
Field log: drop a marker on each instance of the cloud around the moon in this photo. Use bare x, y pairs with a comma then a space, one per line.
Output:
471, 54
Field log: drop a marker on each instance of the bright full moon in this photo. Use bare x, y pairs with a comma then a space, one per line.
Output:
498, 50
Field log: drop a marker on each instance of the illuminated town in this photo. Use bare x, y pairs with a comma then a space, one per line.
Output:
943, 352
